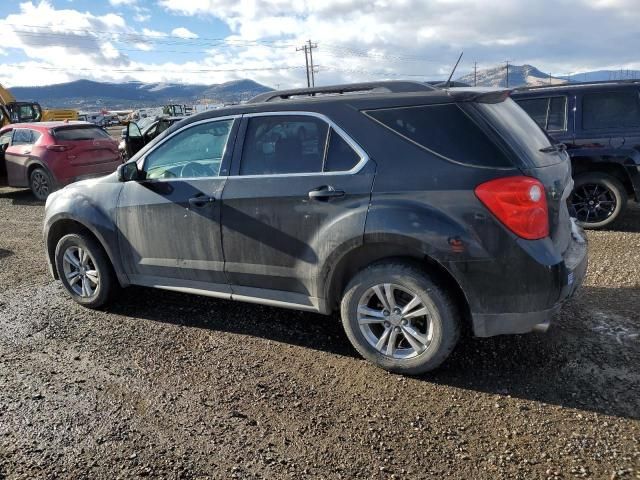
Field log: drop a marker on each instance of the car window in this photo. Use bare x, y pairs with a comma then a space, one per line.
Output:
444, 130
340, 155
192, 153
549, 113
23, 136
80, 133
279, 144
536, 108
5, 139
611, 110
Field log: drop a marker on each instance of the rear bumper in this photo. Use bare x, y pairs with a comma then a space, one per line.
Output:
568, 276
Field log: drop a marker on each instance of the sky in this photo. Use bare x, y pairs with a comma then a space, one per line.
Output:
214, 41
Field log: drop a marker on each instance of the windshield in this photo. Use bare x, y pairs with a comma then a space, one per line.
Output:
521, 131
80, 133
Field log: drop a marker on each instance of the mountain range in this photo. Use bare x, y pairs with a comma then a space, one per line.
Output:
91, 95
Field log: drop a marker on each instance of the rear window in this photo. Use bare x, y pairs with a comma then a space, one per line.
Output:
444, 130
611, 110
80, 133
520, 131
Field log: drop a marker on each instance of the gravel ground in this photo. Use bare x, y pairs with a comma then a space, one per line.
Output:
174, 386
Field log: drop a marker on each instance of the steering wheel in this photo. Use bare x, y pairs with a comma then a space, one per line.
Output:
194, 169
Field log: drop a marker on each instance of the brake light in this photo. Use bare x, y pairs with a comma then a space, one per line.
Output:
59, 148
519, 203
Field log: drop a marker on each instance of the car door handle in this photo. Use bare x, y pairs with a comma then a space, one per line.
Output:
26, 151
325, 193
200, 201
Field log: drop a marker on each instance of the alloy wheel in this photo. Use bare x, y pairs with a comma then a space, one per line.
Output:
395, 321
40, 184
593, 203
80, 271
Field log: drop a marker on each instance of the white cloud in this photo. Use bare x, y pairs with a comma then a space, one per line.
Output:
183, 33
119, 3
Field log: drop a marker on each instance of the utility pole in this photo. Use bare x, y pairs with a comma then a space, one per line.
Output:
313, 68
306, 61
475, 74
507, 62
308, 58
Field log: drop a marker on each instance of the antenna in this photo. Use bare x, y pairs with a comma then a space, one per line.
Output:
453, 71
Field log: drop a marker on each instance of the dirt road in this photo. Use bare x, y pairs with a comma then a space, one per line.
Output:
167, 385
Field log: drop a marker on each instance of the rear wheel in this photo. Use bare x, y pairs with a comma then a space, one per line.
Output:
597, 199
399, 319
40, 183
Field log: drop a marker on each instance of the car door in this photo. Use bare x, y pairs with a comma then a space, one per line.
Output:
169, 219
299, 191
5, 141
18, 155
133, 139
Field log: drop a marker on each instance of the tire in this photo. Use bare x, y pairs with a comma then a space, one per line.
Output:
605, 191
40, 183
101, 291
405, 281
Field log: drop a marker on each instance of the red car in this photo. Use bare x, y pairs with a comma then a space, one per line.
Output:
46, 156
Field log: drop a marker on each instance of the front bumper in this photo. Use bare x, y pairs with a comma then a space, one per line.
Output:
571, 272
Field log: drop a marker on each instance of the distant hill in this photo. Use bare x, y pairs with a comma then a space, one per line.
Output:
521, 75
88, 95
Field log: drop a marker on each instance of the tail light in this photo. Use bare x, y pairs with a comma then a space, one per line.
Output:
519, 203
59, 148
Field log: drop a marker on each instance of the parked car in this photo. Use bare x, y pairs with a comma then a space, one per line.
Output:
415, 212
600, 125
45, 156
137, 134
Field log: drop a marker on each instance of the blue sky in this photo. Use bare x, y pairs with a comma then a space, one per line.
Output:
212, 41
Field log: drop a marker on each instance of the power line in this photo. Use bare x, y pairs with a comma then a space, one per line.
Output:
162, 70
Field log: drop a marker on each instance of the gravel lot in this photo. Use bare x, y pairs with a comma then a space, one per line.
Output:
173, 386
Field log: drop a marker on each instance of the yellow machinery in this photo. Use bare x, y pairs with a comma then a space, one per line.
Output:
19, 112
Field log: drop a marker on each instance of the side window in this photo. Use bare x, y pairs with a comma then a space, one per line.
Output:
557, 118
278, 144
5, 140
536, 108
548, 112
22, 136
35, 136
340, 156
193, 153
444, 130
611, 110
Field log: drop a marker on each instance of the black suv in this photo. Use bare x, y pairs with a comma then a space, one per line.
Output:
416, 212
600, 125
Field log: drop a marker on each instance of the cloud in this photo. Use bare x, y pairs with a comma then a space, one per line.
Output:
357, 39
183, 33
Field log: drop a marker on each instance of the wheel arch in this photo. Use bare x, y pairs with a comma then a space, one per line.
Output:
64, 226
357, 259
607, 165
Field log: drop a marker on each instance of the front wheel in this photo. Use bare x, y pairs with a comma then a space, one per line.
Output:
399, 319
85, 270
597, 199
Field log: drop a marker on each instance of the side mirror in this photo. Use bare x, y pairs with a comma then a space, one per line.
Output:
127, 172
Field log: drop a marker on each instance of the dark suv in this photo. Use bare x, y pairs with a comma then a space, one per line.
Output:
600, 125
415, 212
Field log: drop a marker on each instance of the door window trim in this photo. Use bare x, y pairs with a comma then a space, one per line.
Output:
143, 159
364, 157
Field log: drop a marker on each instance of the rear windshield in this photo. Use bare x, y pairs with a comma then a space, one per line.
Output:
444, 130
80, 133
521, 131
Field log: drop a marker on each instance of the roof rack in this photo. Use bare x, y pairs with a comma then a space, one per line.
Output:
390, 87
580, 84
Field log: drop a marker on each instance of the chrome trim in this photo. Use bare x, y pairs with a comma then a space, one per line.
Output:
364, 157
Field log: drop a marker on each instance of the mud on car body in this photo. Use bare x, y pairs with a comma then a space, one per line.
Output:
414, 212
